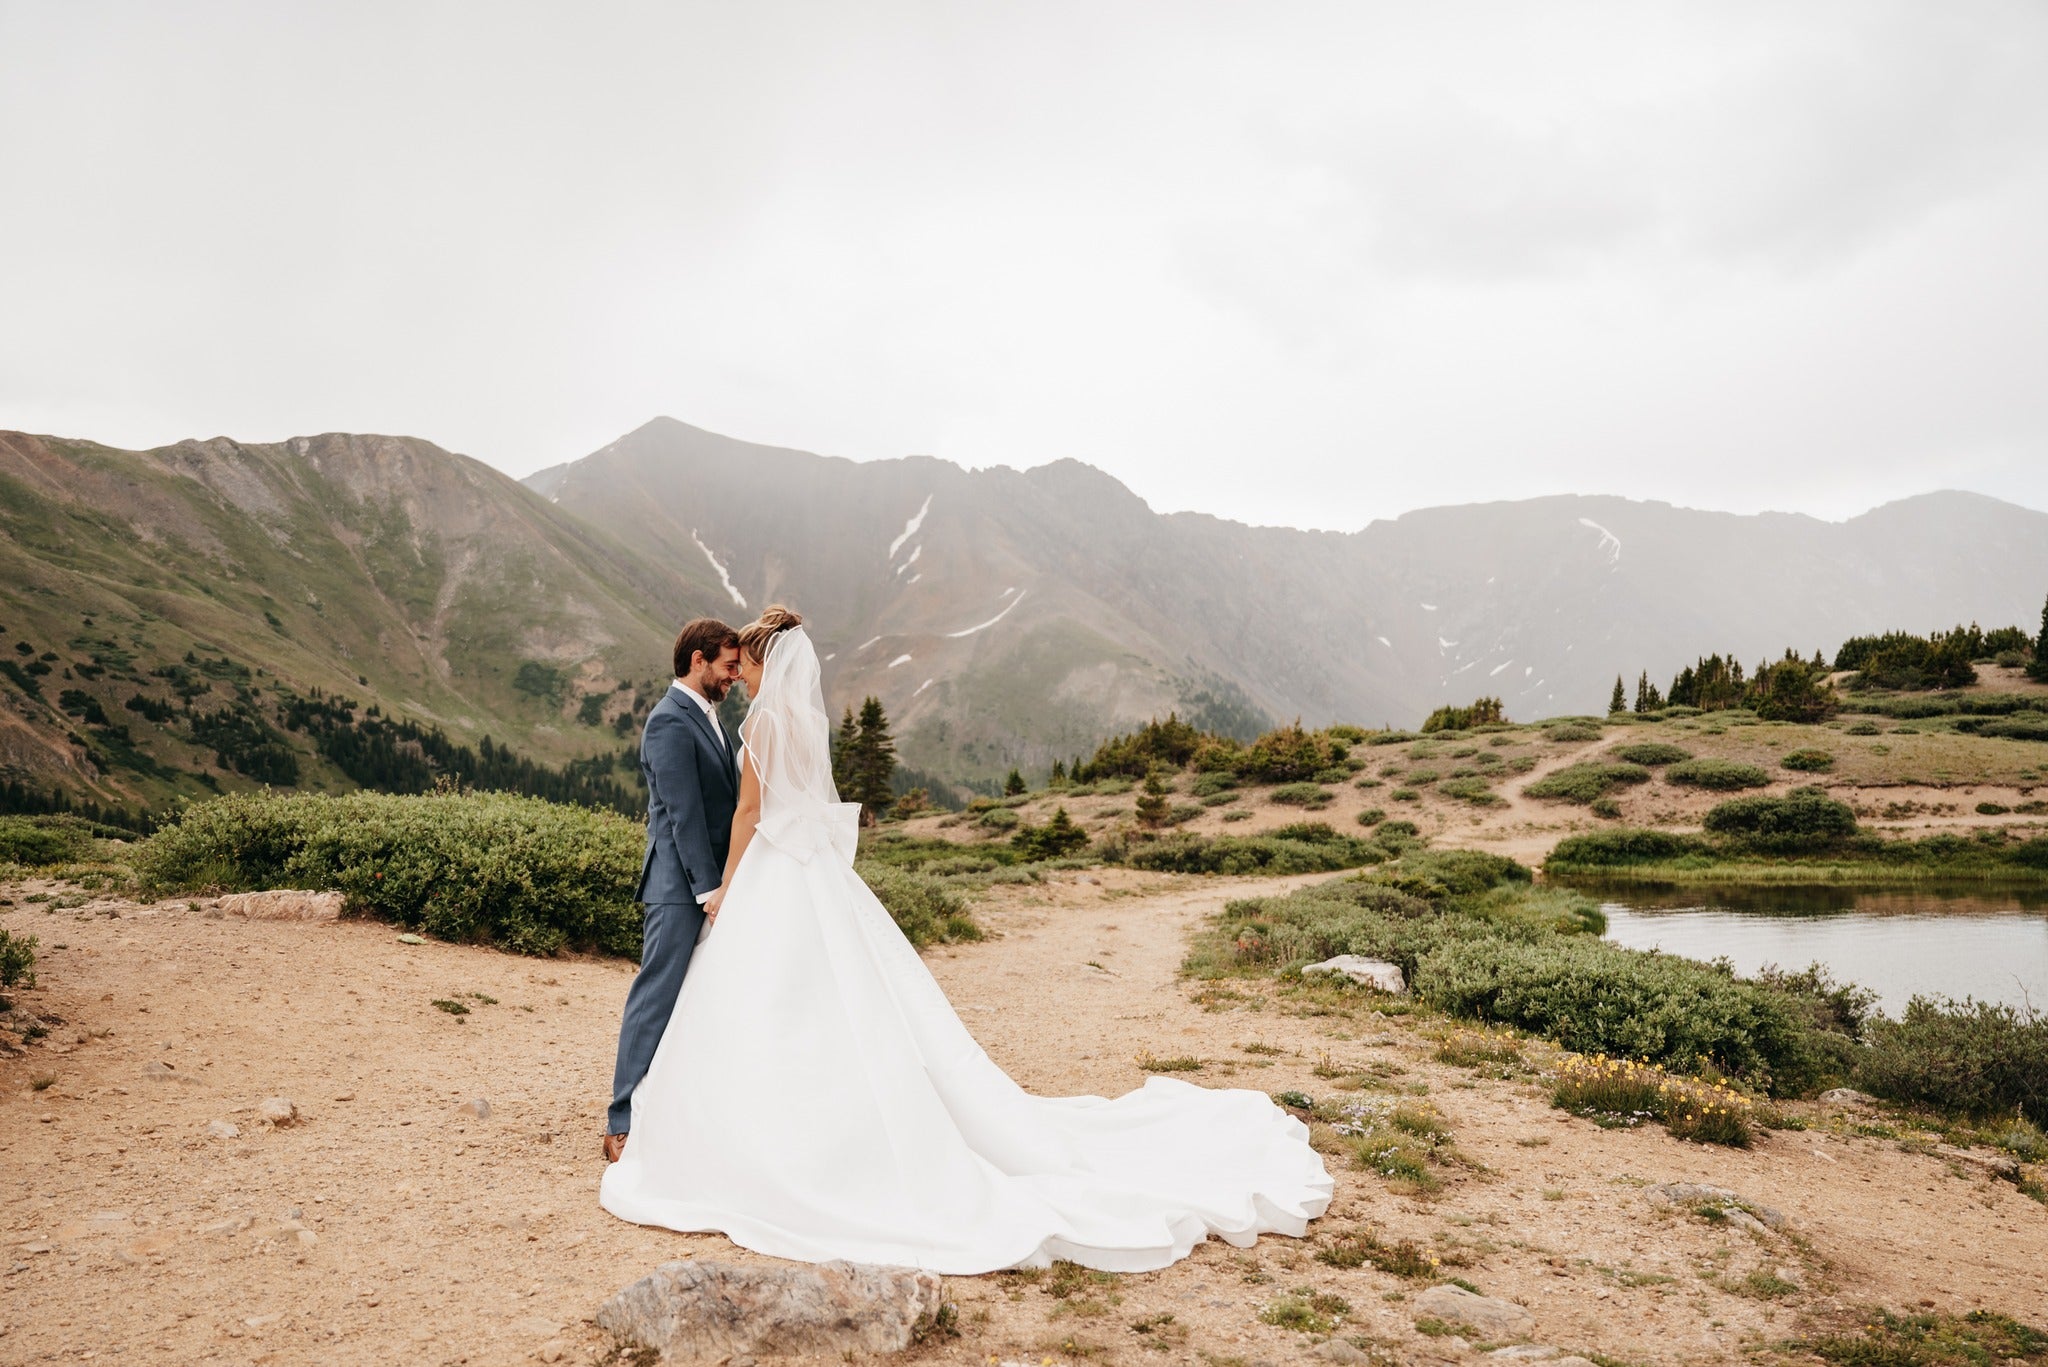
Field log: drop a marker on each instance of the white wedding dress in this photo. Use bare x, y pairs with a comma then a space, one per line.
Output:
816, 1097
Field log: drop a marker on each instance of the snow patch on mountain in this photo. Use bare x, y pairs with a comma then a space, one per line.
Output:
991, 621
1609, 542
723, 577
910, 527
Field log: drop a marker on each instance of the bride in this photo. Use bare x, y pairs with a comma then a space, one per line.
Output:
815, 1096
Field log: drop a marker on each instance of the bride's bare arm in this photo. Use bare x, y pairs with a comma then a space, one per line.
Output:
744, 818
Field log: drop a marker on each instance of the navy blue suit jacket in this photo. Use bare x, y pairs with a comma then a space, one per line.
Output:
693, 785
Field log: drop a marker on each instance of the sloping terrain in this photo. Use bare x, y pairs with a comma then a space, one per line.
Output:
160, 609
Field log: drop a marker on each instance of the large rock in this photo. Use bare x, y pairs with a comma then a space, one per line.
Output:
282, 905
1846, 1096
1494, 1319
1377, 974
711, 1310
1733, 1203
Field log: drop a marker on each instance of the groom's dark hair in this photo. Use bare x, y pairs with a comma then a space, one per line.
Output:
703, 634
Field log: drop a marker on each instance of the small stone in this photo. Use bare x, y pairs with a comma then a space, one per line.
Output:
223, 1129
552, 1351
410, 939
278, 1111
308, 1237
1337, 1350
1377, 974
234, 1224
703, 1309
477, 1107
1846, 1096
1524, 1352
1495, 1319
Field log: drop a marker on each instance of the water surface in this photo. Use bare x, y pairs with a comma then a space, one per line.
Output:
1898, 942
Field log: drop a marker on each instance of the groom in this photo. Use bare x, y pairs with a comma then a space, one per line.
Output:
693, 784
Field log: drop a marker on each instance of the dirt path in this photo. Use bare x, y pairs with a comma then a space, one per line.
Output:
390, 1226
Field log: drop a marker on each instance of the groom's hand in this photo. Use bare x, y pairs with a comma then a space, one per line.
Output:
712, 903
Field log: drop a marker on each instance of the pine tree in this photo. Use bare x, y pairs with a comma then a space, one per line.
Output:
1013, 786
2039, 668
1618, 700
842, 753
874, 759
1059, 775
1152, 807
1643, 691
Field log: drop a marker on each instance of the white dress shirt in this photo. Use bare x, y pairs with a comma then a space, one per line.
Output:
710, 710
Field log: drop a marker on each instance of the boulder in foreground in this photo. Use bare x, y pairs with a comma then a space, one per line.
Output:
698, 1309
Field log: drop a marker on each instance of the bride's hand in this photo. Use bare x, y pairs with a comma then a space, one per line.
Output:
712, 903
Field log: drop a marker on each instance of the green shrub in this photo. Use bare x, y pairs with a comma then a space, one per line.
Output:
1371, 816
1472, 790
927, 911
1212, 784
1992, 809
17, 959
1809, 761
1651, 752
1803, 820
1000, 819
1301, 795
491, 868
1979, 1058
1404, 795
1620, 848
1605, 807
1863, 728
43, 840
1305, 847
1597, 998
1718, 774
1572, 732
1584, 782
1421, 778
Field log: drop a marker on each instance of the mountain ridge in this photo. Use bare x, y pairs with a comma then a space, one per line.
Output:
1005, 617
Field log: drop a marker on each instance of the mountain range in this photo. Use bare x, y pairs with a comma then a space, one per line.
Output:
1004, 617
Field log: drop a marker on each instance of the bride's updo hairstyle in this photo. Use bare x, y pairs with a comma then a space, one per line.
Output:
757, 638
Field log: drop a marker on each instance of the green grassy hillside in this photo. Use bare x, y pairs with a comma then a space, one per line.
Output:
213, 616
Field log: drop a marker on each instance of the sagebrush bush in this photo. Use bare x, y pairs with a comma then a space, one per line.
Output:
1651, 752
1979, 1058
1808, 761
1584, 782
1301, 795
1572, 732
1718, 774
1371, 816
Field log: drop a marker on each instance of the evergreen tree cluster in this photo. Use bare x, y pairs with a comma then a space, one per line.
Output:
401, 756
1170, 744
864, 760
1789, 689
1482, 712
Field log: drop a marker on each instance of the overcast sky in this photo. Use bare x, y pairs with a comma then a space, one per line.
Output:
1288, 263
